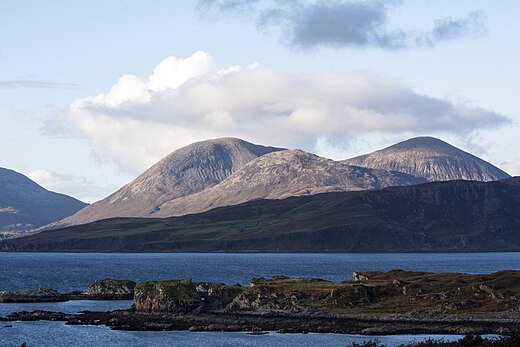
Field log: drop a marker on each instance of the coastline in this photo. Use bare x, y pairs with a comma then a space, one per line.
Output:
281, 323
373, 303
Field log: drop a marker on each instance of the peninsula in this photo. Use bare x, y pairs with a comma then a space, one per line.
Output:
394, 302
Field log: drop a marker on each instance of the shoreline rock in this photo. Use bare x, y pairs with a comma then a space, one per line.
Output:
284, 323
393, 302
107, 289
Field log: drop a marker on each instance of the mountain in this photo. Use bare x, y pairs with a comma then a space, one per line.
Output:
513, 180
186, 171
25, 205
281, 174
440, 216
229, 171
432, 159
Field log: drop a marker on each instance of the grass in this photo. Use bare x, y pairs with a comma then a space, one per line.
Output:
382, 293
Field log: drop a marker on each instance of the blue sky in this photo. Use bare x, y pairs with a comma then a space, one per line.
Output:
337, 78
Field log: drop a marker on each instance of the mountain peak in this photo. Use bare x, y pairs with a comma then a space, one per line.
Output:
430, 158
282, 174
424, 142
186, 171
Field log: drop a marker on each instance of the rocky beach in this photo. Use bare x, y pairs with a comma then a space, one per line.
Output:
373, 303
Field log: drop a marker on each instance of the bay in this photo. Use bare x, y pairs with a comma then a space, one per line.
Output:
75, 271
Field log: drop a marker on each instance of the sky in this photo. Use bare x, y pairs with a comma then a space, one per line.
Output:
92, 93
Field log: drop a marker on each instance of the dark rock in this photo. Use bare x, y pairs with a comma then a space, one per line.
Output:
35, 295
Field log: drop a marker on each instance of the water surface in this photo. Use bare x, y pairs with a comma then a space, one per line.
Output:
56, 334
75, 271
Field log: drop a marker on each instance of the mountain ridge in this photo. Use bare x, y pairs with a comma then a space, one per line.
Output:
185, 171
439, 216
227, 171
281, 174
26, 205
430, 158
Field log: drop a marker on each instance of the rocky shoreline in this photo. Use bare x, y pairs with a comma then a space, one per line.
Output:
373, 303
281, 323
106, 289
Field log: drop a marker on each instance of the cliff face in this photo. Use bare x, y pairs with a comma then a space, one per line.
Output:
25, 205
443, 216
432, 159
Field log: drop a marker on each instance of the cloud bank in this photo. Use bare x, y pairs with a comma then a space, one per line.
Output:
344, 23
185, 100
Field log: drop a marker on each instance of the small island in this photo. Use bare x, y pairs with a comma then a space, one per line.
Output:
373, 303
106, 289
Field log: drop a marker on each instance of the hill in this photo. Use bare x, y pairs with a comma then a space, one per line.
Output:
25, 205
443, 216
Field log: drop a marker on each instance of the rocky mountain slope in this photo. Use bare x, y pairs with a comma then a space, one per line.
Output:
183, 172
432, 159
26, 205
282, 174
228, 171
441, 216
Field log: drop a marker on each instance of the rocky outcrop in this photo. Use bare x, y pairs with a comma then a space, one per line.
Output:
107, 289
390, 292
34, 295
285, 323
110, 289
394, 302
183, 296
432, 159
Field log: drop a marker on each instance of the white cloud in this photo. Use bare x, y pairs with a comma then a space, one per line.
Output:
76, 186
140, 120
512, 167
172, 71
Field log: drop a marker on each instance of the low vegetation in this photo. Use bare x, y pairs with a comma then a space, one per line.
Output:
393, 292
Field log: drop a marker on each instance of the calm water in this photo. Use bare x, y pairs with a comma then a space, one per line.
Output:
75, 271
58, 334
72, 271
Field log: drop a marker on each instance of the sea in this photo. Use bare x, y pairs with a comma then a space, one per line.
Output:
67, 272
